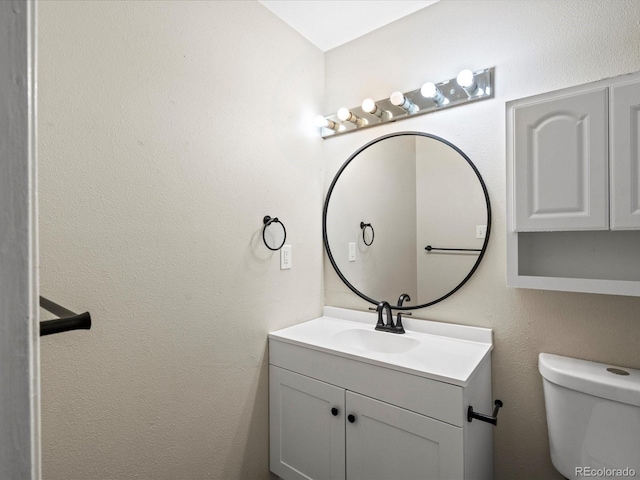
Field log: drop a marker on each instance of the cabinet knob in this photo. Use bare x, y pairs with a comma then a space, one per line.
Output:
334, 411
351, 418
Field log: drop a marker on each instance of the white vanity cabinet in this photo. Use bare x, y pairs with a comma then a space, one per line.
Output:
338, 416
320, 431
573, 188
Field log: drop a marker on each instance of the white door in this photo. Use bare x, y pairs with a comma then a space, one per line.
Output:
307, 422
625, 156
387, 442
561, 163
19, 341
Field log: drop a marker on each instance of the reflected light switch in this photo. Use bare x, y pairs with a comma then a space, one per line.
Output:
352, 252
481, 231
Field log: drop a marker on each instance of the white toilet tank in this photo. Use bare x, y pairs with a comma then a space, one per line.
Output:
593, 416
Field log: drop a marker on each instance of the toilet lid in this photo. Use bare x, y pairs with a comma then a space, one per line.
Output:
619, 384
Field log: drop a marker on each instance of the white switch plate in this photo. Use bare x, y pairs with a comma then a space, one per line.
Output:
481, 231
285, 257
352, 252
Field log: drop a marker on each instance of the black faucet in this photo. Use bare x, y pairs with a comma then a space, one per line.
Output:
381, 325
403, 297
399, 328
389, 326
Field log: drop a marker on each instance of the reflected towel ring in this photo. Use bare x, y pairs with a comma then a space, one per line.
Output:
364, 226
267, 220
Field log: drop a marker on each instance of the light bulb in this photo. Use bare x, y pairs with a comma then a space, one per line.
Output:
399, 100
431, 91
322, 122
346, 116
369, 106
467, 82
465, 78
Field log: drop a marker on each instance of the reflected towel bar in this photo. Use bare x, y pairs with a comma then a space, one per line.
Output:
68, 320
428, 248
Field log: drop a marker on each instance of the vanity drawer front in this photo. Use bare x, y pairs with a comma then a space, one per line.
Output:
434, 399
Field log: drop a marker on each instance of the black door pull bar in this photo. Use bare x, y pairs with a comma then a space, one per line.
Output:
68, 320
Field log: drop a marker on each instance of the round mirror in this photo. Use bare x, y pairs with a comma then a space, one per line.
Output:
429, 208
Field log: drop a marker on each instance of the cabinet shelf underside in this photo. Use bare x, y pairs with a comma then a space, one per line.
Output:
598, 255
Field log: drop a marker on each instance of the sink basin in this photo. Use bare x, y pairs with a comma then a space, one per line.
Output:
439, 351
373, 341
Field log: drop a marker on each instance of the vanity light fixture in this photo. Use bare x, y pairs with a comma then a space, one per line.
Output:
431, 91
468, 86
399, 100
468, 83
322, 122
345, 115
372, 108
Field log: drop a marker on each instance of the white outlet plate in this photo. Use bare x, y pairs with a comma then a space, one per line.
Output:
481, 231
352, 252
285, 257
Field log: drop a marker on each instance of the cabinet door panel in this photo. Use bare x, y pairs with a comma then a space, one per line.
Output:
561, 163
386, 442
625, 156
307, 441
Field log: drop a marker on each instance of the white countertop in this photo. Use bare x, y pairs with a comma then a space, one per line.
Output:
441, 351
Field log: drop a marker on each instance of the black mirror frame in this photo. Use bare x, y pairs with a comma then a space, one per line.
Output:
328, 198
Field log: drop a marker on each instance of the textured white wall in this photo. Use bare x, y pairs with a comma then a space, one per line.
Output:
536, 46
167, 131
155, 173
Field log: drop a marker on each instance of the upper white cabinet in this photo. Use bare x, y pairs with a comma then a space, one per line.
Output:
573, 188
560, 162
575, 158
625, 156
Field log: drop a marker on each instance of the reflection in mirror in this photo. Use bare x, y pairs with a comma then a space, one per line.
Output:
368, 233
417, 190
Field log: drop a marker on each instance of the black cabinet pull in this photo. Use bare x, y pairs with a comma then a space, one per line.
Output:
334, 411
351, 418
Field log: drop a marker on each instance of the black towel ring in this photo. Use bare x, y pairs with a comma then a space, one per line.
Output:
364, 226
267, 220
